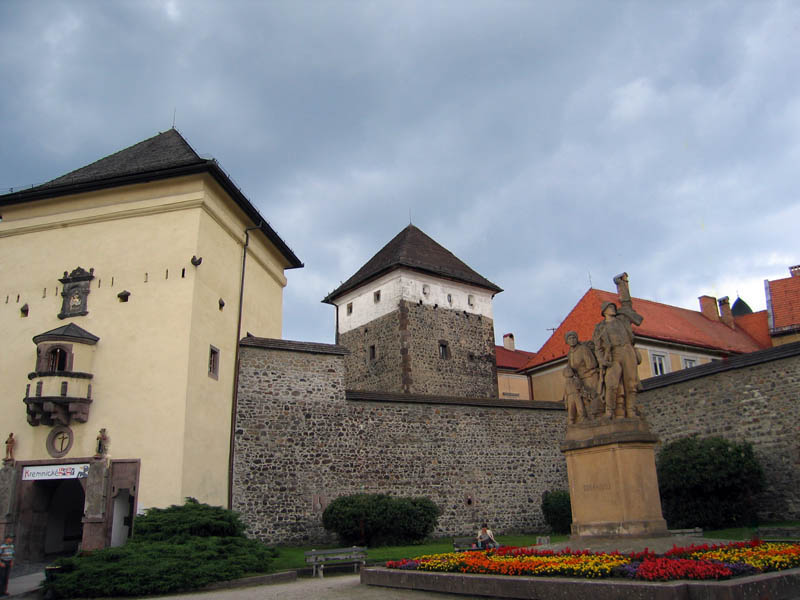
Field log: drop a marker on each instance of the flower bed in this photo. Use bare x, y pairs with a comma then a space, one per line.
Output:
692, 562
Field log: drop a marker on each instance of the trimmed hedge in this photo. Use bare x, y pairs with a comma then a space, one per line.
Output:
709, 482
380, 519
557, 510
173, 549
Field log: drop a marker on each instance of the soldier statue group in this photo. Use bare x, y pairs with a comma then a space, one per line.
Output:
601, 376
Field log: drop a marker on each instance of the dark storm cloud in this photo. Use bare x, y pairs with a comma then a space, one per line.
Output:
546, 145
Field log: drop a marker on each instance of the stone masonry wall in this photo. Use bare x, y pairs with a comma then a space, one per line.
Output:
407, 357
300, 443
759, 403
470, 370
384, 372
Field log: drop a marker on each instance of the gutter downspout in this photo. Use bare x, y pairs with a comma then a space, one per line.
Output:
235, 395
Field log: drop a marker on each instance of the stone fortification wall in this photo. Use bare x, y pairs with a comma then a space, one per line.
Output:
407, 355
753, 397
384, 372
300, 442
470, 369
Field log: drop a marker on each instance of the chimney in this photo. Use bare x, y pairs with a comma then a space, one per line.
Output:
508, 341
795, 271
726, 316
708, 306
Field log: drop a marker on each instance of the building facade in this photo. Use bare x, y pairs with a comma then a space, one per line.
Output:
124, 288
669, 339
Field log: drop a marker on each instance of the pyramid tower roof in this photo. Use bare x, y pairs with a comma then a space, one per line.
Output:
413, 249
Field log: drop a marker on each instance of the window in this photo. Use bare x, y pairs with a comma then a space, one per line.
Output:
444, 350
57, 360
349, 308
449, 298
376, 297
213, 362
471, 300
688, 363
373, 354
426, 289
659, 363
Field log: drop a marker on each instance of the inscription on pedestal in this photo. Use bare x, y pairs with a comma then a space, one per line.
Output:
596, 487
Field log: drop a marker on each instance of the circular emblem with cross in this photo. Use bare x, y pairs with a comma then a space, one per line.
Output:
59, 442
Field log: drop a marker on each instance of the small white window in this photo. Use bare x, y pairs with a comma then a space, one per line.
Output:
449, 298
213, 362
426, 289
688, 363
471, 300
659, 363
349, 308
376, 297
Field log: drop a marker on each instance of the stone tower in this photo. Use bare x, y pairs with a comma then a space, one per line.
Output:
417, 320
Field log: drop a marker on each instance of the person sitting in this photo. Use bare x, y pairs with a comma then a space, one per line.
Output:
486, 538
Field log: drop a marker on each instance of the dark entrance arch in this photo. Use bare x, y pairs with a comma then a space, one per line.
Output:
50, 518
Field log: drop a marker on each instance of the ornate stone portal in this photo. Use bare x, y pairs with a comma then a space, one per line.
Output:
609, 446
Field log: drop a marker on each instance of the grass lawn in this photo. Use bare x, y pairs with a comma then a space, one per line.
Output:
744, 533
292, 557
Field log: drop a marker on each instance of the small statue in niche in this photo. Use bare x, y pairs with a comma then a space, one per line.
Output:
619, 360
10, 443
103, 442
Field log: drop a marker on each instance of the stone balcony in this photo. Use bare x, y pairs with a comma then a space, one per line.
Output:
58, 397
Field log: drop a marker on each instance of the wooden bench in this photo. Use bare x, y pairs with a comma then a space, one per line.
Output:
462, 544
692, 532
778, 534
357, 555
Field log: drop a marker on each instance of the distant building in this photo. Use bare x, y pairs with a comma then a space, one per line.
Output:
417, 320
510, 383
783, 307
670, 338
122, 297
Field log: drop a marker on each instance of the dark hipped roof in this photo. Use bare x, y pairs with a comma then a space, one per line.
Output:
740, 308
69, 332
413, 249
162, 156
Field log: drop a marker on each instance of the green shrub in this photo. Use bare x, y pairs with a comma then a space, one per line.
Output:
148, 565
192, 519
710, 483
557, 510
379, 519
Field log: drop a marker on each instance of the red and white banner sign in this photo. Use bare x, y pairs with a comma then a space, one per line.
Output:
55, 472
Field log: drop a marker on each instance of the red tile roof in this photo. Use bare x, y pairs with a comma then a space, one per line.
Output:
661, 322
511, 359
785, 302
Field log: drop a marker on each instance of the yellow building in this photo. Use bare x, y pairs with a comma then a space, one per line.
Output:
124, 289
670, 338
511, 384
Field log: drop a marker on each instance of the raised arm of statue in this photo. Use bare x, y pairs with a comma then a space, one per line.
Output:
622, 289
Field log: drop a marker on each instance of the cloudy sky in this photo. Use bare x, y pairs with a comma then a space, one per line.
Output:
547, 144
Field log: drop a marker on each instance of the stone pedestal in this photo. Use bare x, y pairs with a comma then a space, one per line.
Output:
612, 479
